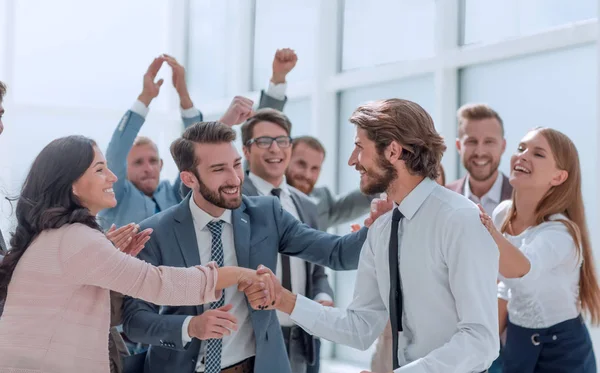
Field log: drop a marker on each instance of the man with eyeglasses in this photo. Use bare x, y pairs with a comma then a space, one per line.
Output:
267, 148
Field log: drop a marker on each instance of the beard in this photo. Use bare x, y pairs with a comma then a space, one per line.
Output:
378, 180
217, 198
301, 183
478, 174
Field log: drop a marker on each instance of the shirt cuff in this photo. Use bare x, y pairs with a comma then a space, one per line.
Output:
189, 113
413, 367
323, 296
139, 108
277, 91
185, 337
305, 312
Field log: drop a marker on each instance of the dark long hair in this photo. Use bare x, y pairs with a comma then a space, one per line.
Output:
47, 200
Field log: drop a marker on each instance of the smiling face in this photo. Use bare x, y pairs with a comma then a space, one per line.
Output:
143, 167
270, 163
376, 172
94, 188
480, 147
305, 167
218, 176
533, 166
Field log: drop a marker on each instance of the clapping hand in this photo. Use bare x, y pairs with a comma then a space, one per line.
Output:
283, 62
238, 111
151, 88
127, 239
179, 81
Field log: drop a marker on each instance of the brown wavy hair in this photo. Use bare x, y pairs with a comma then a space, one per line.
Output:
410, 125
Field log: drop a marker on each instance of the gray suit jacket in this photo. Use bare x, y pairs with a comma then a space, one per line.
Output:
341, 209
262, 229
307, 212
316, 277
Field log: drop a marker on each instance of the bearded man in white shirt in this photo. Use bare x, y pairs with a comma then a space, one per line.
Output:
427, 266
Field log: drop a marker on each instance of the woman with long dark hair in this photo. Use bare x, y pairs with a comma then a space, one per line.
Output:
57, 275
547, 269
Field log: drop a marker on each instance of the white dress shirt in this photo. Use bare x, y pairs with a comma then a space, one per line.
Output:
447, 263
241, 344
297, 265
549, 293
491, 199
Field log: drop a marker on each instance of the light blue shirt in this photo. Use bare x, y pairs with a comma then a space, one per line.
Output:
448, 268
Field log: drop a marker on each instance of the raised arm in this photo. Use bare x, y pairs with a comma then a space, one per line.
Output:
129, 127
189, 113
274, 97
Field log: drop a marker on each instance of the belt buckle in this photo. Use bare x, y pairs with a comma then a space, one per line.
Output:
535, 339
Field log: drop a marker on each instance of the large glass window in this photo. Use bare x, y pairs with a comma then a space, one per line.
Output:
284, 24
383, 31
89, 54
208, 49
419, 90
299, 112
493, 20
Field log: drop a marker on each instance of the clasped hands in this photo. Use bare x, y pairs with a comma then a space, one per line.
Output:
262, 288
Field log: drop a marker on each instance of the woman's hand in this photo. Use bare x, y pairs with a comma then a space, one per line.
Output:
487, 222
261, 287
127, 239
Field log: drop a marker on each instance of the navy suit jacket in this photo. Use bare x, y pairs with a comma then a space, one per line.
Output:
262, 229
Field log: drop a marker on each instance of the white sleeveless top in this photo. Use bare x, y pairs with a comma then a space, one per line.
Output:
549, 293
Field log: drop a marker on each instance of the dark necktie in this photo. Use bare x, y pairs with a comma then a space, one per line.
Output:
395, 287
214, 346
286, 273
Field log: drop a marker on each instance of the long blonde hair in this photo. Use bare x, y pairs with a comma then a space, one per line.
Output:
567, 199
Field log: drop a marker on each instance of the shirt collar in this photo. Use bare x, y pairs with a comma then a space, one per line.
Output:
494, 194
264, 187
202, 218
415, 199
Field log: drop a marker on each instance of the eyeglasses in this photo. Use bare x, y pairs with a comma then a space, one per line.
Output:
265, 142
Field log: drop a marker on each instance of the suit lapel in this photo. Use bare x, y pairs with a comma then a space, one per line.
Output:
506, 192
185, 233
241, 235
248, 188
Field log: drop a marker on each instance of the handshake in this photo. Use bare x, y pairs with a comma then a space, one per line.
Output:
262, 288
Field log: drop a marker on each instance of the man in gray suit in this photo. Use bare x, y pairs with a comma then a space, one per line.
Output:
216, 223
303, 172
267, 147
135, 159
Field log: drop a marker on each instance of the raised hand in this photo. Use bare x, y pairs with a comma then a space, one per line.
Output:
283, 62
151, 88
179, 81
238, 111
379, 206
211, 324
